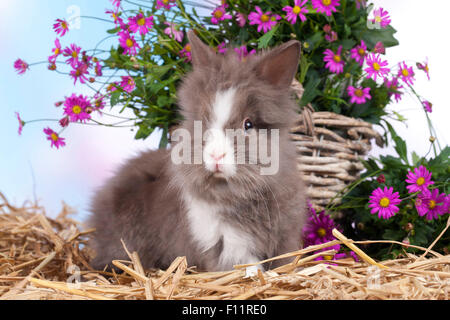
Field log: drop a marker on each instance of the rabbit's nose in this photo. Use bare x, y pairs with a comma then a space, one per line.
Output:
217, 156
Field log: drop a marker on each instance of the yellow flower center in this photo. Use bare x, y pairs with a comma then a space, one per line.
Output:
130, 82
76, 109
165, 1
63, 25
57, 51
376, 66
427, 69
74, 54
337, 58
432, 204
361, 52
141, 21
420, 181
297, 10
218, 14
359, 93
265, 18
327, 257
326, 2
321, 232
188, 47
54, 137
129, 43
378, 19
405, 72
384, 202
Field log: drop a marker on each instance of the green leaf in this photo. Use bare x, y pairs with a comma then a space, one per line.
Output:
113, 31
115, 98
263, 42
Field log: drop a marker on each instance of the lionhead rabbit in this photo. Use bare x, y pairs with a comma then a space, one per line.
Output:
217, 209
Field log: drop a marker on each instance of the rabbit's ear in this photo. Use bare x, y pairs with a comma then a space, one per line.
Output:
279, 66
202, 55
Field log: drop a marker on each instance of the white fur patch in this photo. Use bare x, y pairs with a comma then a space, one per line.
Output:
217, 144
207, 228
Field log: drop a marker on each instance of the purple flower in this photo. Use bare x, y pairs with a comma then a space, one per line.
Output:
384, 202
243, 52
359, 95
265, 21
172, 31
381, 17
419, 180
326, 6
219, 14
359, 53
297, 11
376, 67
20, 66
334, 61
428, 106
394, 86
431, 204
140, 23
406, 73
318, 228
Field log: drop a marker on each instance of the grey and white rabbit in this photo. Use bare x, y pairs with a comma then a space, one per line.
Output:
220, 212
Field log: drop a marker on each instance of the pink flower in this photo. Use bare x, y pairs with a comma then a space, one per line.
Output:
79, 73
166, 4
336, 248
384, 202
375, 67
64, 122
186, 52
56, 51
428, 106
98, 69
326, 6
21, 123
243, 52
424, 67
359, 53
115, 3
297, 11
20, 66
419, 180
172, 31
140, 23
219, 14
334, 61
75, 108
381, 17
318, 228
61, 27
361, 4
394, 88
358, 95
406, 73
241, 19
55, 139
115, 15
431, 203
73, 53
379, 48
99, 102
128, 84
222, 48
265, 21
128, 43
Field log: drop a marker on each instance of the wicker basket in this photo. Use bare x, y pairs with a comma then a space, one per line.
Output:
330, 147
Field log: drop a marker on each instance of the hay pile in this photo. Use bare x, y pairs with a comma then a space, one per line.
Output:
42, 258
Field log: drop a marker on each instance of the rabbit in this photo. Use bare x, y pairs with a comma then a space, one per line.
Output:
216, 212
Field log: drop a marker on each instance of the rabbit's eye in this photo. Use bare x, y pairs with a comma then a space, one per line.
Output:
247, 124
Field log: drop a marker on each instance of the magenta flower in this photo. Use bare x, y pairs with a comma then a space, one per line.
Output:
428, 106
166, 4
431, 204
406, 73
332, 36
424, 67
222, 48
99, 102
359, 53
219, 14
64, 122
128, 84
20, 66
334, 61
384, 202
140, 23
325, 6
419, 180
73, 53
75, 108
115, 3
359, 95
79, 73
55, 139
128, 43
361, 4
61, 27
241, 19
375, 67
172, 31
394, 88
297, 11
56, 51
318, 228
336, 256
379, 48
243, 52
265, 21
381, 17
186, 52
98, 69
115, 15
21, 123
